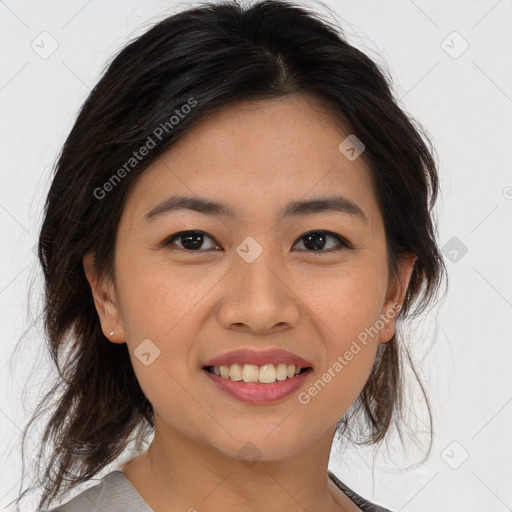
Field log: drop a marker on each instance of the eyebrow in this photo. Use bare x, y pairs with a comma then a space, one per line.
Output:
205, 206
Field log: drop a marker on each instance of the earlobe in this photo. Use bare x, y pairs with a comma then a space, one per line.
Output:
104, 300
396, 297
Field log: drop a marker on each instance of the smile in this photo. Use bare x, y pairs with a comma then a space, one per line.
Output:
256, 392
265, 374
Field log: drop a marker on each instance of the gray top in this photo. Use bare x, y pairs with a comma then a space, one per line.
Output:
115, 492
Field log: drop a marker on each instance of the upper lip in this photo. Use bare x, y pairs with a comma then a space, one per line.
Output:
258, 358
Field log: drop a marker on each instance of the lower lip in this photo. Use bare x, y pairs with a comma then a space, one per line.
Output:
259, 393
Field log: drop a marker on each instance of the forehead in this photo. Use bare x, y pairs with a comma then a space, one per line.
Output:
256, 156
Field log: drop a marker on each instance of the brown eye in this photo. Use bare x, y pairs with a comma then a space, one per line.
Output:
190, 240
317, 241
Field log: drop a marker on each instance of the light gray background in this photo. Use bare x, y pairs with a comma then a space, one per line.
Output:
463, 348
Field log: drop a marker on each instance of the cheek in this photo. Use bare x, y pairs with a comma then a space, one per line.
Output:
347, 299
346, 306
333, 392
157, 305
157, 298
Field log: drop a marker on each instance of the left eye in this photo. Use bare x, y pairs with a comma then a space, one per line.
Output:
316, 240
191, 241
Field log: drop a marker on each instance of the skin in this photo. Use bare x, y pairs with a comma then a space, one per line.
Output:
256, 157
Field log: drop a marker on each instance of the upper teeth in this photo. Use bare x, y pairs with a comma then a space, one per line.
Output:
265, 374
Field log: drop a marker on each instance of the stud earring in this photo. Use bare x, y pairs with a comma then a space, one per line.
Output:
387, 329
111, 334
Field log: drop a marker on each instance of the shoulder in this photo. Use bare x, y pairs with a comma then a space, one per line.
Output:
112, 494
363, 504
115, 492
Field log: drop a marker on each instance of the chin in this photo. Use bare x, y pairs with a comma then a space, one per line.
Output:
259, 446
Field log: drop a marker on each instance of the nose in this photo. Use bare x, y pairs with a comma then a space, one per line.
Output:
259, 296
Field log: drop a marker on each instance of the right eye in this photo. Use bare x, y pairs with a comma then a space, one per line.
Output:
190, 241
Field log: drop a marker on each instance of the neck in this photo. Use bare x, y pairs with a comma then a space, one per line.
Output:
179, 473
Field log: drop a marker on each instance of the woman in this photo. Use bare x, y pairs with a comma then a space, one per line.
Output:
239, 218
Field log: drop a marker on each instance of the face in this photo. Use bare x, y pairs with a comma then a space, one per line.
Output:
309, 282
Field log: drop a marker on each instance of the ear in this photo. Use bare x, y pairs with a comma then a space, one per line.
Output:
395, 296
105, 301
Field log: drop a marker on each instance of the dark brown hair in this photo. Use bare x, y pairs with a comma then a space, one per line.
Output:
209, 57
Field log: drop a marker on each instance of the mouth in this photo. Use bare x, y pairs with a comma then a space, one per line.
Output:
256, 376
255, 392
251, 373
260, 366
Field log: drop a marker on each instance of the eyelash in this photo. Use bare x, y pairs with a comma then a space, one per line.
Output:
344, 244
